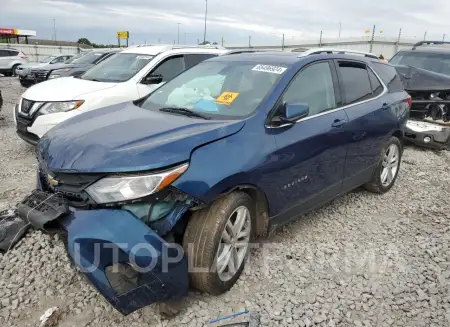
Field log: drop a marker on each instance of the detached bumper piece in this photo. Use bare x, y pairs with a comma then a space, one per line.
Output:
428, 134
129, 263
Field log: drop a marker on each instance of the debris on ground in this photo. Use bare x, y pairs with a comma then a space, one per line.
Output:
50, 317
12, 229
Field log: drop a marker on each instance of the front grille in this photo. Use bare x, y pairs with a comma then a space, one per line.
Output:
26, 106
40, 74
70, 186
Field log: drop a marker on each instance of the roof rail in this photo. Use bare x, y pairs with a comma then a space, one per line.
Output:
418, 44
178, 46
334, 50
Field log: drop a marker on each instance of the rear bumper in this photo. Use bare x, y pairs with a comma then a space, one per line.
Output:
98, 240
427, 134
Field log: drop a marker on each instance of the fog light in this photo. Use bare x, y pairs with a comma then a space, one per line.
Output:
427, 139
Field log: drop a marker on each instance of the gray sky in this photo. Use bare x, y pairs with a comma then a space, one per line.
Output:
235, 20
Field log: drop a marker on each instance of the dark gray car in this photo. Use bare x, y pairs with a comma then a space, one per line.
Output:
72, 68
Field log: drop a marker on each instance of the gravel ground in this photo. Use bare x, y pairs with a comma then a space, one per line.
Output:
363, 260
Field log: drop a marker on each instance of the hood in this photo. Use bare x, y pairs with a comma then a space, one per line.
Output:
33, 65
49, 67
64, 89
126, 138
416, 79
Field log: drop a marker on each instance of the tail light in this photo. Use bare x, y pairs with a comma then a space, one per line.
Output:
409, 99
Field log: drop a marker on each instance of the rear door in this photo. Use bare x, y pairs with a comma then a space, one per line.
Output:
311, 153
370, 119
4, 59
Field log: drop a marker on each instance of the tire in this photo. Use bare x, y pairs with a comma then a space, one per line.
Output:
13, 70
377, 185
203, 241
7, 74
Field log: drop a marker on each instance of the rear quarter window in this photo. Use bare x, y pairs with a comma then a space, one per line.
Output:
13, 53
389, 76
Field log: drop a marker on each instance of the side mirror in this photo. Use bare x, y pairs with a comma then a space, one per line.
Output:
152, 79
291, 112
295, 111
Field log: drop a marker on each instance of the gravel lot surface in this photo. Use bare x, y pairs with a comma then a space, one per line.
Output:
363, 260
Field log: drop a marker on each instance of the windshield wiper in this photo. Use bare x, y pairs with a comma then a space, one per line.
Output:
184, 111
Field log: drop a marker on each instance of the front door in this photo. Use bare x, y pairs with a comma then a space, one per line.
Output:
168, 68
310, 154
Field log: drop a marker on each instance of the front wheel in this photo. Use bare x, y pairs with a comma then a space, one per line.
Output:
388, 167
216, 242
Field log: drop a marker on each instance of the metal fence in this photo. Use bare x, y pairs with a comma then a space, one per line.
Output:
37, 52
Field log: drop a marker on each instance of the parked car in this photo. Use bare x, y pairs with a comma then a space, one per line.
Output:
425, 72
129, 75
24, 71
225, 151
72, 68
10, 59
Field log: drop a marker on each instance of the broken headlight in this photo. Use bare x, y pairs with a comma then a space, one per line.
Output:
128, 187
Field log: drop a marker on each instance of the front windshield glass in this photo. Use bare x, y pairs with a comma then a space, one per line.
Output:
90, 57
218, 89
46, 59
435, 62
75, 58
118, 68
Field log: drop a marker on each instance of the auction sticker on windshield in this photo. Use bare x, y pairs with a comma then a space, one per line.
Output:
270, 69
226, 98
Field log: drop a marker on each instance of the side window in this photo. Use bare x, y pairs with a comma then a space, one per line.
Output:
12, 53
194, 59
377, 88
4, 53
355, 82
58, 60
389, 76
169, 68
314, 87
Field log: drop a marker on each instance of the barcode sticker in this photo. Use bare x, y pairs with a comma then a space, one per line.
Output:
270, 69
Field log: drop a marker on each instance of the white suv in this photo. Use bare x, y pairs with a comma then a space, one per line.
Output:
125, 76
10, 59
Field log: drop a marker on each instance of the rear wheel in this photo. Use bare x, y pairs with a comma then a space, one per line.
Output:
388, 167
217, 241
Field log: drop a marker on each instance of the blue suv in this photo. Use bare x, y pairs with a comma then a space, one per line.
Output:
167, 192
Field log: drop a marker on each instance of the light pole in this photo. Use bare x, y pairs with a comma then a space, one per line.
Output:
206, 15
54, 27
178, 32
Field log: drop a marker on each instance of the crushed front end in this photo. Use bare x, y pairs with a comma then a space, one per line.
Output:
128, 250
429, 123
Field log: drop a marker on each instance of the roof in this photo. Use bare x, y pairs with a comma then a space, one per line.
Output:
154, 50
106, 50
429, 49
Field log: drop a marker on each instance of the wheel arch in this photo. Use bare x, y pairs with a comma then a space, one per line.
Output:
260, 220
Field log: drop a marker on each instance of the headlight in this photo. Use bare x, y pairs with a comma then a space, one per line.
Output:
129, 187
52, 107
54, 76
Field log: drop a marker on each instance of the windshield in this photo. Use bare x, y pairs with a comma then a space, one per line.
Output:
218, 89
75, 58
46, 59
118, 68
435, 62
90, 57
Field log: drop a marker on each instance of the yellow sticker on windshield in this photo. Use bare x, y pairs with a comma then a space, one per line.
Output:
226, 98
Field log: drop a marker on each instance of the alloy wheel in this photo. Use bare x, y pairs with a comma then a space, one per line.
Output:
234, 244
390, 165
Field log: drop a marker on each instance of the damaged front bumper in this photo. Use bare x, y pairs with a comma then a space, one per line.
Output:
427, 134
105, 243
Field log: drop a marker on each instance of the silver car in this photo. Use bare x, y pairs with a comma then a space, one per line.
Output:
23, 71
10, 59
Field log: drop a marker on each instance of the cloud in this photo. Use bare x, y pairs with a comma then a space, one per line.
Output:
234, 20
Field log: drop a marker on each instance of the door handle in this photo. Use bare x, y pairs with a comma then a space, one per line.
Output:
338, 123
